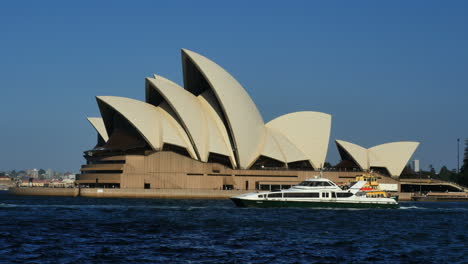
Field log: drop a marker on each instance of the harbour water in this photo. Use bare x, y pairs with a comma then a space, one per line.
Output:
90, 230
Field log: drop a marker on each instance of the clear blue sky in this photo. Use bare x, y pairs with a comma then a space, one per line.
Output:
386, 70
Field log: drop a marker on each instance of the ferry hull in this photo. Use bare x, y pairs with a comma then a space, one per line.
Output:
307, 204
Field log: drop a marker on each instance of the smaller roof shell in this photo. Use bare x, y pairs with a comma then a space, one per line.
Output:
155, 124
277, 146
308, 131
98, 124
271, 148
358, 153
393, 156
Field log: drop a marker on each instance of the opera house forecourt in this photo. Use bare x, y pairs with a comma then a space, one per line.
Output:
209, 135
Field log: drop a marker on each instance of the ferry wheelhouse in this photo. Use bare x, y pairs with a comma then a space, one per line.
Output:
318, 192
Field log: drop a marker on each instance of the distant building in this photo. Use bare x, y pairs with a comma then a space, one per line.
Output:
34, 183
69, 176
416, 165
5, 183
34, 173
49, 173
4, 178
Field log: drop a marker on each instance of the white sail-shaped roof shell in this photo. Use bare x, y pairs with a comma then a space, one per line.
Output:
290, 151
244, 122
98, 124
189, 111
358, 153
154, 124
393, 156
308, 131
278, 147
271, 148
201, 124
218, 143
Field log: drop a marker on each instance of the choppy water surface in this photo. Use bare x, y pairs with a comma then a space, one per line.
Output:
85, 230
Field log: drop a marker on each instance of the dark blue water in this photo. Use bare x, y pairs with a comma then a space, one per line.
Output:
85, 230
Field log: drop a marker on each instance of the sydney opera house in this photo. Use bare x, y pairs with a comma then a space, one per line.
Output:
209, 134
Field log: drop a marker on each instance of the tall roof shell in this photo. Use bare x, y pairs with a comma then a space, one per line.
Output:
98, 124
308, 131
358, 153
243, 120
220, 143
196, 117
188, 110
394, 156
154, 124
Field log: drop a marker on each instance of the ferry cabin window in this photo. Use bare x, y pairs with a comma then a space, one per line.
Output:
275, 187
344, 195
275, 195
260, 196
324, 195
301, 195
314, 183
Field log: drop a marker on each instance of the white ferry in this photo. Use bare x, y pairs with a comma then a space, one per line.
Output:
318, 192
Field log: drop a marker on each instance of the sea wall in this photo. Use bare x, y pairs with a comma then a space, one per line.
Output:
159, 193
40, 191
404, 196
127, 193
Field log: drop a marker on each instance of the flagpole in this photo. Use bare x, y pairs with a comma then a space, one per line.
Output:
458, 155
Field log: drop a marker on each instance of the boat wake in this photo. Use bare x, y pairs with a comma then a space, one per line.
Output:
452, 209
445, 209
411, 207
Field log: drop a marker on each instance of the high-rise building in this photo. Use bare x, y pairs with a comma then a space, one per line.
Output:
49, 173
416, 165
35, 173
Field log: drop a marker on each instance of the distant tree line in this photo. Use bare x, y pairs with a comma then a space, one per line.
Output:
452, 175
15, 173
22, 173
463, 177
444, 173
